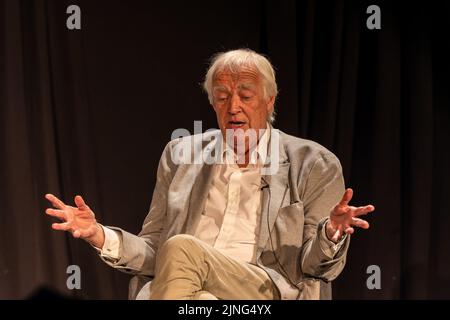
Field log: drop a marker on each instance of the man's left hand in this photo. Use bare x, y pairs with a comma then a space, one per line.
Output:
344, 217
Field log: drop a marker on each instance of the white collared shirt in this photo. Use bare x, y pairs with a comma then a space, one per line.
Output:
231, 217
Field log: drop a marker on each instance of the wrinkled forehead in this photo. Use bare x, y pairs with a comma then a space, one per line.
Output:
249, 76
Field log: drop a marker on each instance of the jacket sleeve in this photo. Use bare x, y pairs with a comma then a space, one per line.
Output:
137, 252
324, 189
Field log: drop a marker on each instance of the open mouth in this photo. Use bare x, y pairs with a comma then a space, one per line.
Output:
236, 124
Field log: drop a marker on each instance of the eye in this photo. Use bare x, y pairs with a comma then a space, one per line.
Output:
221, 98
246, 95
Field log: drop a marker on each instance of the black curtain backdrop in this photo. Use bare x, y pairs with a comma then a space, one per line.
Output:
89, 111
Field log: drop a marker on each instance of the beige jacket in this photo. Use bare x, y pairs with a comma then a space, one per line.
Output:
296, 202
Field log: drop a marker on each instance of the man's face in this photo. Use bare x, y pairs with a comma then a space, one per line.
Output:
239, 102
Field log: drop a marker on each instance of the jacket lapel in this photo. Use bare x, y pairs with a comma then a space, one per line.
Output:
200, 189
199, 194
275, 188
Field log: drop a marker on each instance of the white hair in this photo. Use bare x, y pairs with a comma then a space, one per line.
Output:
234, 61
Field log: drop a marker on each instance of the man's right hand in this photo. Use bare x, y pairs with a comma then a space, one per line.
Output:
79, 220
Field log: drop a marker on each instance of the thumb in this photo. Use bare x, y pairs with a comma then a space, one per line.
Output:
80, 203
348, 194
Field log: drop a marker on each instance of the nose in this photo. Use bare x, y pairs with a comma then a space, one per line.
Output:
235, 106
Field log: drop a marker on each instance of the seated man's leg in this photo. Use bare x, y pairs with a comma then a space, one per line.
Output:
186, 266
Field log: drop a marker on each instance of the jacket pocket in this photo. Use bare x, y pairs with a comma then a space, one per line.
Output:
289, 224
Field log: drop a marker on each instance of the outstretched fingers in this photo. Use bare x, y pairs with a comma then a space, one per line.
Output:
360, 223
80, 203
56, 213
363, 210
348, 194
65, 226
55, 201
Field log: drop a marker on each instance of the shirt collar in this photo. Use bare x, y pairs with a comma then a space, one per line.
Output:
258, 154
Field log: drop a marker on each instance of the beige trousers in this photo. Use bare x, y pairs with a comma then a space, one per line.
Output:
187, 268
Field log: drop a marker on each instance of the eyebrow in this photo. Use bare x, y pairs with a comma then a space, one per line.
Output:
220, 88
246, 86
242, 86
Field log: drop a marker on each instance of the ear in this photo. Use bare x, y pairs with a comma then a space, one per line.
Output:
270, 104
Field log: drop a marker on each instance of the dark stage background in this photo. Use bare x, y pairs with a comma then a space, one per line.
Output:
89, 111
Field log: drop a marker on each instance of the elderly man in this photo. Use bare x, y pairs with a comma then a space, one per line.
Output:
228, 229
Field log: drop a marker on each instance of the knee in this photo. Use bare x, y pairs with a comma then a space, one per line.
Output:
179, 243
